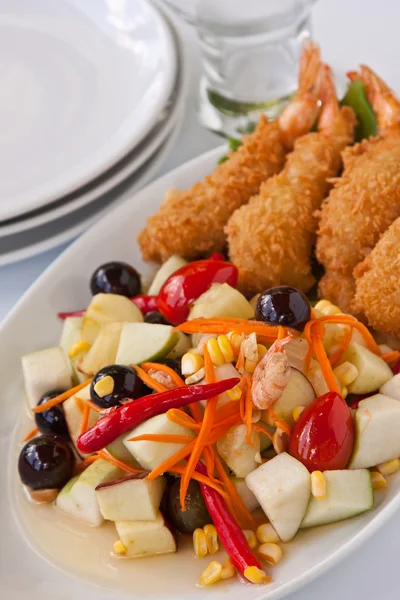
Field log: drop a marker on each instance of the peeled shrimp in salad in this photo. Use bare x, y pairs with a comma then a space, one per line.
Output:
191, 223
271, 375
365, 200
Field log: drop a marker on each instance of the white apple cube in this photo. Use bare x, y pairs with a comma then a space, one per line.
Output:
78, 498
103, 352
221, 300
392, 387
71, 334
151, 454
73, 411
373, 371
146, 538
237, 452
105, 309
131, 498
44, 371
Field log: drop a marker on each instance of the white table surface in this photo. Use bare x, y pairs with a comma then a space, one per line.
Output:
349, 31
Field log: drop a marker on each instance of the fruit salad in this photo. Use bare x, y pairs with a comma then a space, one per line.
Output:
192, 410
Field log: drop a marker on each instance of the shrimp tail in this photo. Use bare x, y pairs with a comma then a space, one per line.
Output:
383, 100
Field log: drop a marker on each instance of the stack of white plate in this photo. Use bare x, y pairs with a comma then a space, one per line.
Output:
90, 102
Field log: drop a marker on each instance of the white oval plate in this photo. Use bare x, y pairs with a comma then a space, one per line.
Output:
124, 169
82, 83
33, 325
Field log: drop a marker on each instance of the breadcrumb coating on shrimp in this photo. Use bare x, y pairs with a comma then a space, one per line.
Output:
338, 288
378, 283
362, 205
271, 239
191, 223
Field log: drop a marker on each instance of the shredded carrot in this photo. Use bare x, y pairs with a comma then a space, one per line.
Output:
248, 413
91, 459
93, 406
159, 367
170, 463
242, 400
221, 326
196, 411
238, 509
181, 418
307, 335
58, 399
322, 358
205, 429
227, 410
261, 429
240, 361
162, 437
278, 422
347, 320
336, 356
281, 332
209, 457
222, 427
391, 357
202, 479
31, 435
85, 419
313, 315
80, 404
149, 381
119, 463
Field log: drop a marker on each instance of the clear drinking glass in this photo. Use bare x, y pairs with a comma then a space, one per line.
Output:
250, 51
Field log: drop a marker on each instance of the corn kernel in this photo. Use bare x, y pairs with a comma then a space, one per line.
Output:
77, 348
196, 377
256, 416
200, 543
215, 353
104, 386
266, 533
258, 458
250, 537
389, 467
345, 392
119, 548
256, 575
191, 362
327, 308
297, 412
346, 373
235, 393
262, 351
250, 365
212, 574
228, 570
385, 349
270, 552
235, 340
211, 538
226, 348
318, 485
378, 481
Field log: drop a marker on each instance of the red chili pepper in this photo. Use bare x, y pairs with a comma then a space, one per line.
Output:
146, 303
232, 537
189, 282
120, 420
65, 315
396, 368
217, 256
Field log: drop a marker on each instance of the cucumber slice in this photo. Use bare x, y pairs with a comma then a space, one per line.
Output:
221, 300
166, 270
141, 342
377, 432
348, 493
373, 372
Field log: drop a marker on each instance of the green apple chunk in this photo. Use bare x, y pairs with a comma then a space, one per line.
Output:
150, 454
392, 388
141, 342
105, 309
298, 392
373, 372
79, 499
348, 493
146, 538
282, 487
237, 452
73, 411
221, 300
72, 333
44, 371
181, 347
104, 349
166, 270
130, 498
377, 422
247, 496
118, 450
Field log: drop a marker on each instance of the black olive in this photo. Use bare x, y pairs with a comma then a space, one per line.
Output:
46, 462
196, 513
52, 421
127, 384
156, 317
116, 278
283, 305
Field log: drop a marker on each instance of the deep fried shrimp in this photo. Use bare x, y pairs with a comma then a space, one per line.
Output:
378, 283
271, 238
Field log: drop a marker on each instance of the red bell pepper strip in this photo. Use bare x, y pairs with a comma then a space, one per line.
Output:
229, 532
146, 303
120, 420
